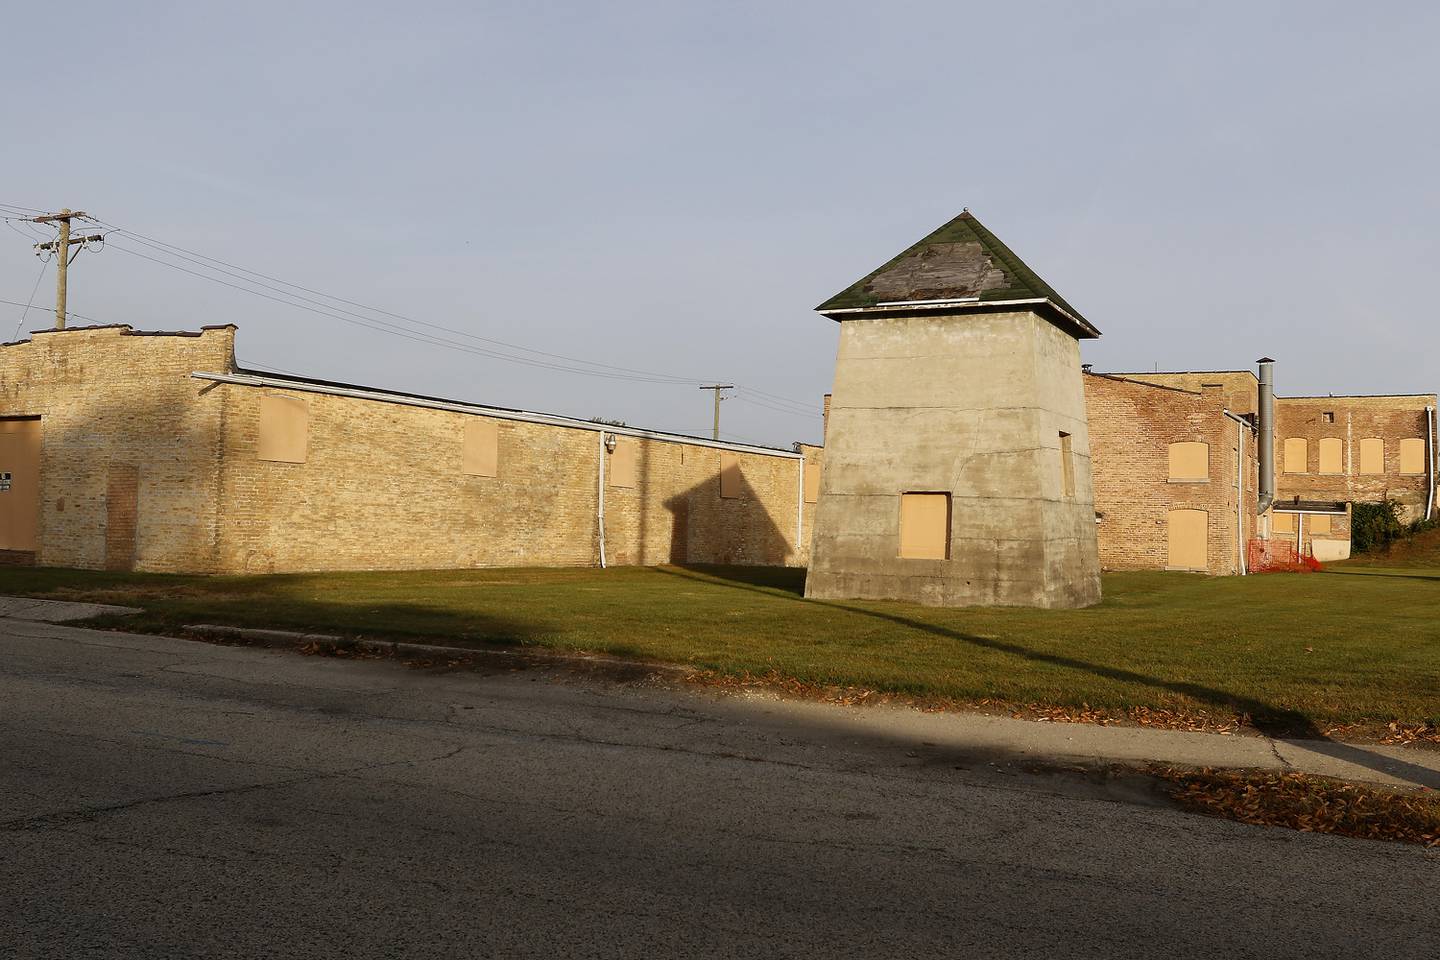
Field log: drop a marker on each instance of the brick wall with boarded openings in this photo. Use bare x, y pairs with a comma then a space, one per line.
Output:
108, 398
1164, 463
149, 468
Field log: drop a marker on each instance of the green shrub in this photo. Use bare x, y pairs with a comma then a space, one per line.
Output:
1374, 526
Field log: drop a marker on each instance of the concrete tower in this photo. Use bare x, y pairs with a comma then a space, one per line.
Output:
957, 459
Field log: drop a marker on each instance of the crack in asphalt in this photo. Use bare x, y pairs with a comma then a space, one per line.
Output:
89, 812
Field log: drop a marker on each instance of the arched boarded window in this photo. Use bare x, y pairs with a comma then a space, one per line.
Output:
1372, 455
1297, 453
1412, 455
1189, 461
1186, 540
1332, 455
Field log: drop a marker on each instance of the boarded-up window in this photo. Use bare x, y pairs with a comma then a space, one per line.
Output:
1297, 452
1412, 455
284, 428
1332, 455
1186, 541
1317, 523
1190, 460
1282, 523
812, 482
732, 481
19, 483
925, 526
622, 463
1067, 465
480, 449
1372, 455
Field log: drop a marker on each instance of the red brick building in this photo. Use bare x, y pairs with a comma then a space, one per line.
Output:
1176, 460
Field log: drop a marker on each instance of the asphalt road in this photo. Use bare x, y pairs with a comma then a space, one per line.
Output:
162, 798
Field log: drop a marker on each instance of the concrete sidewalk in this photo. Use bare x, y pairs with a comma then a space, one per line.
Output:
1083, 743
967, 736
57, 611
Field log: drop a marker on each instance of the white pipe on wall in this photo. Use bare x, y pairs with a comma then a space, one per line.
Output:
1429, 461
1240, 425
600, 502
800, 509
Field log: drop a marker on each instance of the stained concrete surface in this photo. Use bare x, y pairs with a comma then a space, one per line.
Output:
58, 611
168, 798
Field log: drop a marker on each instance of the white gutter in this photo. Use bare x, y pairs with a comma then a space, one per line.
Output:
1240, 424
525, 416
800, 508
600, 502
1429, 461
964, 302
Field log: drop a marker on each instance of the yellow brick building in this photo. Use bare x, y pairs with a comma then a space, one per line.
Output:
128, 450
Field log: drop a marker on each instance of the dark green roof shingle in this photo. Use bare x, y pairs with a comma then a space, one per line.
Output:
961, 260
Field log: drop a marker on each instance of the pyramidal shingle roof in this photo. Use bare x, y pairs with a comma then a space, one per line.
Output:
961, 261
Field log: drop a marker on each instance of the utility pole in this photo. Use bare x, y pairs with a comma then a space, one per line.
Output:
717, 387
61, 247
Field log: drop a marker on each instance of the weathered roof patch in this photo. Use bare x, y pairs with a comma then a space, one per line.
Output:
961, 261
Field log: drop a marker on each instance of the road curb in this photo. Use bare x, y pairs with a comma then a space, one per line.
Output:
295, 640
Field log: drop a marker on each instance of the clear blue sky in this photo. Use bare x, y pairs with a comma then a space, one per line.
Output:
674, 186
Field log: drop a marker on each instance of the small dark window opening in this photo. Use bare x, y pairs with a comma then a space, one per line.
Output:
1067, 465
1327, 417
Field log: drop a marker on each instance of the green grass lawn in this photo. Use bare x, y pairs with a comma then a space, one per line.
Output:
1299, 653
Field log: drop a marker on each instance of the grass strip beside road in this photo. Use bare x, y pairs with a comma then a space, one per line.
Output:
1296, 654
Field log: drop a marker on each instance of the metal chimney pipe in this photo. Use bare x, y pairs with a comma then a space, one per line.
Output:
1265, 443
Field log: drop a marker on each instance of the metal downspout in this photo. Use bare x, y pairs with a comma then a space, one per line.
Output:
1429, 461
1265, 443
600, 502
1240, 425
800, 510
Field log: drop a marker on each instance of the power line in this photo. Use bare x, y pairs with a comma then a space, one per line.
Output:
415, 336
793, 413
191, 255
569, 364
33, 290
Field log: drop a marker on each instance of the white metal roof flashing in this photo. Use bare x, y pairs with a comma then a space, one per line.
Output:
525, 416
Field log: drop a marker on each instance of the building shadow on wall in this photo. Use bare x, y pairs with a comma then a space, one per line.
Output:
1268, 719
722, 520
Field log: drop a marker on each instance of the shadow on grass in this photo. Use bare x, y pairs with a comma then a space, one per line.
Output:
1272, 721
1383, 572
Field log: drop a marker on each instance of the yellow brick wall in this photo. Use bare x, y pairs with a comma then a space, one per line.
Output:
112, 400
381, 487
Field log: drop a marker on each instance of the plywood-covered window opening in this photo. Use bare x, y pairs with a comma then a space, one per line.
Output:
1317, 523
623, 463
1187, 540
732, 479
480, 449
1412, 455
1190, 461
812, 482
1297, 455
925, 526
1372, 455
1332, 455
1067, 465
1282, 523
284, 434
